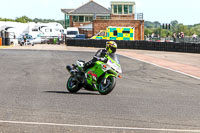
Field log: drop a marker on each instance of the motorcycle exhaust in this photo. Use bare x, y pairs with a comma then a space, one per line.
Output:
70, 70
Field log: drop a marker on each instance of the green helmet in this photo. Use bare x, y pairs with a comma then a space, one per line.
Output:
111, 46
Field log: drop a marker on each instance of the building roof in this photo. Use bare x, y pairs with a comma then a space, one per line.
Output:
66, 10
90, 7
123, 2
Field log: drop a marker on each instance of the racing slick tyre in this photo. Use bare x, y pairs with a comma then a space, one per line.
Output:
73, 85
105, 87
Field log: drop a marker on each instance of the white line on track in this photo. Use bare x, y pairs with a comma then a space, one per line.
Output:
103, 127
162, 67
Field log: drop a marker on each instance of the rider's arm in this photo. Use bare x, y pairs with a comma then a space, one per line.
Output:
100, 55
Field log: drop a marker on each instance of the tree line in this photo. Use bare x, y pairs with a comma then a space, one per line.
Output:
173, 27
25, 19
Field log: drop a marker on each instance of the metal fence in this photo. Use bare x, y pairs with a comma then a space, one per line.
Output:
177, 40
143, 45
188, 40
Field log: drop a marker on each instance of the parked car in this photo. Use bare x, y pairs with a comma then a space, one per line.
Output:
71, 32
29, 40
39, 40
80, 36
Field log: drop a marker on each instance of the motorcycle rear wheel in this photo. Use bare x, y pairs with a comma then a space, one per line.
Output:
73, 85
106, 88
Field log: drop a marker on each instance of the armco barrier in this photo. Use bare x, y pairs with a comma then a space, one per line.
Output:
143, 45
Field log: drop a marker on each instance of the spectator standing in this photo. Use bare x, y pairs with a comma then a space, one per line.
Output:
182, 35
174, 37
152, 36
194, 37
24, 40
158, 36
179, 35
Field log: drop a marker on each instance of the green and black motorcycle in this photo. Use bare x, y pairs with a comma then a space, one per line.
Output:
101, 77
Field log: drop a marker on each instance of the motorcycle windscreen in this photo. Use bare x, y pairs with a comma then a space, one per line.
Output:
114, 57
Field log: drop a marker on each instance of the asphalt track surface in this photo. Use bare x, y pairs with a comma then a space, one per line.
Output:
34, 98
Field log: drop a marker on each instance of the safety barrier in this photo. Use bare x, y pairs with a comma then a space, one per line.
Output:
1, 41
142, 45
5, 41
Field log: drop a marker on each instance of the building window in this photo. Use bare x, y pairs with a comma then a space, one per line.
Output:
34, 29
125, 9
119, 9
122, 9
126, 32
115, 33
48, 30
91, 19
81, 18
102, 34
75, 18
115, 9
88, 18
130, 9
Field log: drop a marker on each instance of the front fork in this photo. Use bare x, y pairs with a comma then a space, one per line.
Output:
106, 76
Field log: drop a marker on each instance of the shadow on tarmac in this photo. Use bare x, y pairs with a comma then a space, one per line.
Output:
77, 93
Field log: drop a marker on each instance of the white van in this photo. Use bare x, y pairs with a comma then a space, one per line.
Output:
71, 32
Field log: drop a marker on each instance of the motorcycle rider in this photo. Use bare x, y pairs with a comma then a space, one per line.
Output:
110, 49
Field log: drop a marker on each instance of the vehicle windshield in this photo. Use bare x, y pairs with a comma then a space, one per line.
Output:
72, 32
101, 33
114, 57
29, 37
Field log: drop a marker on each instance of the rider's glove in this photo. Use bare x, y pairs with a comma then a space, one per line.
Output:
104, 60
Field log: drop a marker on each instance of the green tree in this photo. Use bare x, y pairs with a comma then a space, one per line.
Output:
183, 28
148, 24
156, 24
6, 19
174, 23
195, 29
156, 31
153, 27
174, 26
23, 19
148, 31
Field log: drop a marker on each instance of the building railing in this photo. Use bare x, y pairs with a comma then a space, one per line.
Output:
103, 17
137, 16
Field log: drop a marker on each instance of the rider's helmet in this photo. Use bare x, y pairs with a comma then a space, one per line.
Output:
111, 47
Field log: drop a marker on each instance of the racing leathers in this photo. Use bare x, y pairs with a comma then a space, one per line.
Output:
99, 56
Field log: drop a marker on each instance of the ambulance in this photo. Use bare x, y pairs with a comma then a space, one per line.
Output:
116, 33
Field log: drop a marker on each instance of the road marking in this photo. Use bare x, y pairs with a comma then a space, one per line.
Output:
162, 67
103, 127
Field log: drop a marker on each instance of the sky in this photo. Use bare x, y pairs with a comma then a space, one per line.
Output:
164, 11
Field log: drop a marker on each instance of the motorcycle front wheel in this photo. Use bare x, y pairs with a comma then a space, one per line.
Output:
107, 85
73, 85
